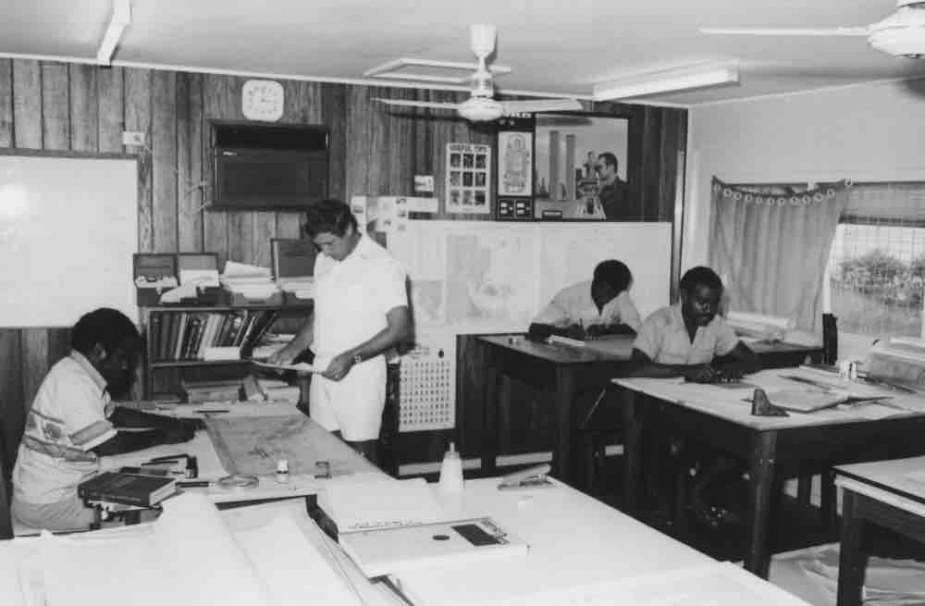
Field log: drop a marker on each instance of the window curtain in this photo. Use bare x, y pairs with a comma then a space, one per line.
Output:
771, 250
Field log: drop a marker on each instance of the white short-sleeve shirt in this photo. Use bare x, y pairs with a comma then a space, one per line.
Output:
574, 305
663, 337
353, 296
69, 417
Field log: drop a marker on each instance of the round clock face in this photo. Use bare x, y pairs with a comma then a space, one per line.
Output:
262, 100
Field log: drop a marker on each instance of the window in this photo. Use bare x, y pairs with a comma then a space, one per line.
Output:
876, 270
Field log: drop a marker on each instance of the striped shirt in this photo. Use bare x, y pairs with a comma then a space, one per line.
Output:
69, 417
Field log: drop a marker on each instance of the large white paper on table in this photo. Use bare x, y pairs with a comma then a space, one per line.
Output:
397, 503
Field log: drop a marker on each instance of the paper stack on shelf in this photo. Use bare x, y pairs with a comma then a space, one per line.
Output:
899, 359
276, 390
758, 326
302, 288
250, 281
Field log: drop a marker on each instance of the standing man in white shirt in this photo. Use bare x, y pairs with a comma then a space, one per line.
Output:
361, 312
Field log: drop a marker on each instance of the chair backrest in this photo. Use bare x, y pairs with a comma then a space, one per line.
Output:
6, 521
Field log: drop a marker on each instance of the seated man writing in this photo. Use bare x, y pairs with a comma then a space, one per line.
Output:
591, 308
689, 339
73, 422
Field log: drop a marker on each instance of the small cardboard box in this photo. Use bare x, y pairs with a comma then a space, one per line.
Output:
154, 273
237, 299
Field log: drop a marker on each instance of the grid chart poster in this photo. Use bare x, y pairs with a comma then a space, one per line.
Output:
468, 174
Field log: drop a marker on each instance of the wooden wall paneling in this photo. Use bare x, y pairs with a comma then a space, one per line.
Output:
441, 125
334, 114
59, 344
190, 186
137, 107
164, 161
220, 98
6, 102
110, 113
651, 162
674, 139
402, 126
84, 107
379, 153
356, 161
423, 139
56, 118
27, 104
12, 408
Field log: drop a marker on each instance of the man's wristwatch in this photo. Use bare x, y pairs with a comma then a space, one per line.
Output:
357, 359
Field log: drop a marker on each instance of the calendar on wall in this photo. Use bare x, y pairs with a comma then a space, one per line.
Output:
427, 384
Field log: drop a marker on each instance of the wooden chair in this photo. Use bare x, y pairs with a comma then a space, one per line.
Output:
6, 520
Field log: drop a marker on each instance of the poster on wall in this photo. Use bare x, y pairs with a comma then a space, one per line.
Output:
581, 168
515, 151
468, 174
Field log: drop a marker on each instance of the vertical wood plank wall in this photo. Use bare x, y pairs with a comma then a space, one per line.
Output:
61, 107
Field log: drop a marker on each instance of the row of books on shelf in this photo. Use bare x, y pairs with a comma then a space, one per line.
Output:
189, 335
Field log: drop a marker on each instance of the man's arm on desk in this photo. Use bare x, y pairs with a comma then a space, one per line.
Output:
739, 361
541, 332
160, 430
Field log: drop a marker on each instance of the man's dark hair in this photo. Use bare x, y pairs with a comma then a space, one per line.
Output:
329, 217
608, 158
700, 276
613, 273
108, 327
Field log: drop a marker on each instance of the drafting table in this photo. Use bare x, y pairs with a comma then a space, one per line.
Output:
773, 447
565, 370
890, 494
211, 467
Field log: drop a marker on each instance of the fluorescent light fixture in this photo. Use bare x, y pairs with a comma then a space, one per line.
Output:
667, 81
121, 17
394, 70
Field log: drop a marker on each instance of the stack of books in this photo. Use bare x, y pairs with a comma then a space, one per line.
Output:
140, 490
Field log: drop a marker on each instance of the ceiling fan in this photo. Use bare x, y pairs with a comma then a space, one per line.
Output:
481, 106
902, 33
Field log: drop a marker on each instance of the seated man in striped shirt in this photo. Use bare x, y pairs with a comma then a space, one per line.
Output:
73, 422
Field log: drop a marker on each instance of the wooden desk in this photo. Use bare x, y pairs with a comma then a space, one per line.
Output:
773, 447
890, 494
565, 370
562, 369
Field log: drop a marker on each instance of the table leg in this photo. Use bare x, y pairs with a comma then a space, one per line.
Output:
852, 558
761, 480
490, 427
632, 428
565, 393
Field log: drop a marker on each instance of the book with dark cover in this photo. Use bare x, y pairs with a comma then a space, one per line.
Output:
126, 488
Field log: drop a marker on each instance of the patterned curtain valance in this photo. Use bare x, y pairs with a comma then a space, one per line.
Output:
765, 196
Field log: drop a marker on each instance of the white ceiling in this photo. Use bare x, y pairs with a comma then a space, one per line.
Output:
553, 46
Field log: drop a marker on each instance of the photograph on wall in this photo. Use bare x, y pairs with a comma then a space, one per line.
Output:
580, 167
468, 175
515, 163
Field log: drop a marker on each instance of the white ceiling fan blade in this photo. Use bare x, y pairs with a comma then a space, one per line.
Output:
424, 104
770, 31
540, 105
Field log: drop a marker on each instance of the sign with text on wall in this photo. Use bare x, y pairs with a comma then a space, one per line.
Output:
468, 174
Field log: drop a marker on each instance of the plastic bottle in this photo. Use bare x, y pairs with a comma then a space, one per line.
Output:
282, 471
451, 473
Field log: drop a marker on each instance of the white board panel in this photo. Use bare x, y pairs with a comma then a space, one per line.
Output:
571, 251
474, 277
68, 228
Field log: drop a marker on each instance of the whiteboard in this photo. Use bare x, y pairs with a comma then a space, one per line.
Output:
68, 229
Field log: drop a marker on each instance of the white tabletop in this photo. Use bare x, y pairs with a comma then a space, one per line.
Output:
899, 482
728, 401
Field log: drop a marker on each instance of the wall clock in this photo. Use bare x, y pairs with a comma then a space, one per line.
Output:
262, 100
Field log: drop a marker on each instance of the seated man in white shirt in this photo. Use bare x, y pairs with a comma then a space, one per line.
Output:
689, 339
591, 308
73, 422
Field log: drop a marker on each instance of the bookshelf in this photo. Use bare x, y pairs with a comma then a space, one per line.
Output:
178, 339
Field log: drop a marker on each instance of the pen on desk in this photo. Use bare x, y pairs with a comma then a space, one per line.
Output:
195, 483
206, 411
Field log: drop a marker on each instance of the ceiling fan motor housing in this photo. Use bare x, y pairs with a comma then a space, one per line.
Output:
901, 34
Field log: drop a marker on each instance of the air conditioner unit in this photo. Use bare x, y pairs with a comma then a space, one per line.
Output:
260, 167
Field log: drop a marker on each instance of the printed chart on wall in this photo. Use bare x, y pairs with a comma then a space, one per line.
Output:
468, 174
490, 277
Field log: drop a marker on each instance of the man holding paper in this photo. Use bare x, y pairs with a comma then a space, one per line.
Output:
361, 312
